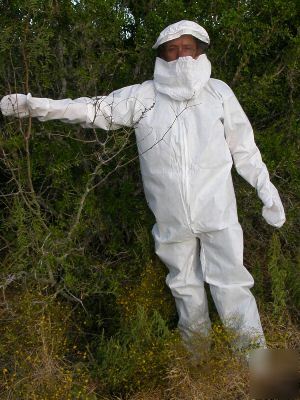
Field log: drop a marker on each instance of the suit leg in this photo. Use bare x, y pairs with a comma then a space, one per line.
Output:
185, 280
230, 283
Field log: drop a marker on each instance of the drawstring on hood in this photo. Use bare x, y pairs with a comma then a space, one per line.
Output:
183, 78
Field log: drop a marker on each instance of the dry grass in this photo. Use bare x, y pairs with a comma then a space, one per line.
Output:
40, 361
223, 375
34, 351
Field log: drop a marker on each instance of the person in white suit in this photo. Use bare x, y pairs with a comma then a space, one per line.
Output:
190, 129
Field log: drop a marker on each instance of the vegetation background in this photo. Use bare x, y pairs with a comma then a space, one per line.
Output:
85, 313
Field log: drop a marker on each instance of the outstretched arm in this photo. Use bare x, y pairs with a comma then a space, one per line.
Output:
107, 112
248, 161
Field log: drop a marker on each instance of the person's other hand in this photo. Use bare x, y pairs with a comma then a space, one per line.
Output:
15, 105
274, 215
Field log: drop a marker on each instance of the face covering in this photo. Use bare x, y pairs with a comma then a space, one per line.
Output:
183, 78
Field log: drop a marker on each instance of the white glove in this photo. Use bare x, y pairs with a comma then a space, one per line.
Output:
274, 215
15, 105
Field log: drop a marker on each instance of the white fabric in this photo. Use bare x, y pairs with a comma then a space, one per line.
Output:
229, 281
15, 104
180, 28
183, 78
274, 214
186, 151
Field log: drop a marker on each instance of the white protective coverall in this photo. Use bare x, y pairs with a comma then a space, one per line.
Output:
189, 130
